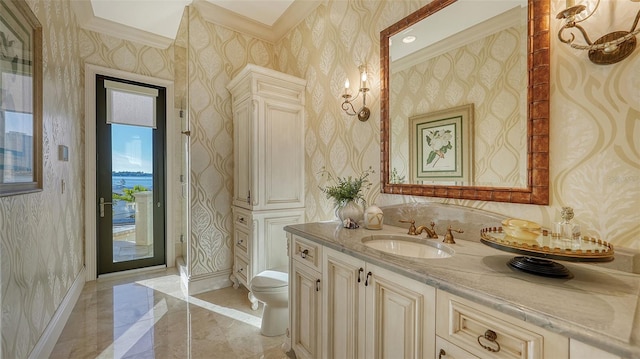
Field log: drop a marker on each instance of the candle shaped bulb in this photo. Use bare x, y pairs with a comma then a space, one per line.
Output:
346, 86
364, 79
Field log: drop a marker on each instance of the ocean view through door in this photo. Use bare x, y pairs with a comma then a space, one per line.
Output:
130, 183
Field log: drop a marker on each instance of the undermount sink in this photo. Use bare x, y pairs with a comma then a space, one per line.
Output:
407, 246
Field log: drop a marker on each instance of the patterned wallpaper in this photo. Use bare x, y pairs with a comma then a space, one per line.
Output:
41, 234
491, 74
216, 54
594, 159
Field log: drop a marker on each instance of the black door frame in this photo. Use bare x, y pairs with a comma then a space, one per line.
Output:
104, 251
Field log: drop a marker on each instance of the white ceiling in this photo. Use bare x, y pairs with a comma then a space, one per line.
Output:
156, 22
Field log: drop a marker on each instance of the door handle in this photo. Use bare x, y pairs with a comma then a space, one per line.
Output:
101, 205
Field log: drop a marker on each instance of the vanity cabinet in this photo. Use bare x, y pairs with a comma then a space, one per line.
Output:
580, 350
305, 293
268, 174
370, 312
487, 333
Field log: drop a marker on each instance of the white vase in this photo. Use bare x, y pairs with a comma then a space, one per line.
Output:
350, 209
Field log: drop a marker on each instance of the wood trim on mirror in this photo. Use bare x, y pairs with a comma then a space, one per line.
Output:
537, 190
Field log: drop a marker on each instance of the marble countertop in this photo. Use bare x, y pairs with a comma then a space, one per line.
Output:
598, 306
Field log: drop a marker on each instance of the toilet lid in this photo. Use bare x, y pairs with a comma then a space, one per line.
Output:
270, 279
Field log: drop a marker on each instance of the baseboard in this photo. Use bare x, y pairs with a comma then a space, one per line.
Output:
207, 282
52, 332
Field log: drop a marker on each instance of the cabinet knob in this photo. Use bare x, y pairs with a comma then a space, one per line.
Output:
304, 253
240, 241
490, 338
317, 285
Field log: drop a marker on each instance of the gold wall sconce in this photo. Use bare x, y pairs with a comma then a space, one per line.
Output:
347, 106
608, 49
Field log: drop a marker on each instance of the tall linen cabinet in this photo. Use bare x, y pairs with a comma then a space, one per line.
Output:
268, 174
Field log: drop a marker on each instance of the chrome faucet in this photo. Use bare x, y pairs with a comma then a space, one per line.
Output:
431, 233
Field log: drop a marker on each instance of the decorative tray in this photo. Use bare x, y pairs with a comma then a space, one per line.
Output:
583, 249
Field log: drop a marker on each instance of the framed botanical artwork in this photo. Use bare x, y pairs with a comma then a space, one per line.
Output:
20, 99
440, 146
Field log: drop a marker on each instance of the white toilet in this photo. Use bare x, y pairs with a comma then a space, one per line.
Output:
271, 287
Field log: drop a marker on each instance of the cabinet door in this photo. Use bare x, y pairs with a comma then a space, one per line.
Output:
306, 311
401, 316
343, 305
281, 155
242, 151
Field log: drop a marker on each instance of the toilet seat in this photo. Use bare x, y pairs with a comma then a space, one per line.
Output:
270, 280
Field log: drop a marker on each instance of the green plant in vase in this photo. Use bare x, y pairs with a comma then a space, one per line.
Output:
347, 194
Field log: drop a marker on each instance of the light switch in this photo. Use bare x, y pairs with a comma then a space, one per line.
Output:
63, 153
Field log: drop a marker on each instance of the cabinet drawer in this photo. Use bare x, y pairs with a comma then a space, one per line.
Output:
241, 242
241, 267
487, 333
241, 220
446, 350
307, 252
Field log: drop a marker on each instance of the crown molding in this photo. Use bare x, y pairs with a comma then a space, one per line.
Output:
298, 10
88, 21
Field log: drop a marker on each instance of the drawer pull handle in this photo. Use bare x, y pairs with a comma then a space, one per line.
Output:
317, 285
366, 281
304, 253
359, 273
491, 337
441, 353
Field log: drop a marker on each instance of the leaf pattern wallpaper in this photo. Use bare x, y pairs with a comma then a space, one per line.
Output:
594, 126
594, 148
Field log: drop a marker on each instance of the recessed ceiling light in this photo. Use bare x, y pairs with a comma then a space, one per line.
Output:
409, 39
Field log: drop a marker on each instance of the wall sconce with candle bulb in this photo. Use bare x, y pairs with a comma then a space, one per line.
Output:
347, 106
608, 49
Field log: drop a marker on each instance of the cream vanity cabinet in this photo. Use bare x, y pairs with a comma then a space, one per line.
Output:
305, 297
268, 154
343, 307
468, 330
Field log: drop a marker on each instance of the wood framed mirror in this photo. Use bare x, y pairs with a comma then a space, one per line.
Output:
533, 184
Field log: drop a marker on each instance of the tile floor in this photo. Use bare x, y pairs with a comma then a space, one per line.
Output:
149, 316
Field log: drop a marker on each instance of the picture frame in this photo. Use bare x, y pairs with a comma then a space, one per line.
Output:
441, 146
20, 99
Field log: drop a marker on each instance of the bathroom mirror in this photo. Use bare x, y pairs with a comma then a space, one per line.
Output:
467, 116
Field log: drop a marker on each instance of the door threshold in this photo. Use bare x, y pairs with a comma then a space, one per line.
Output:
129, 272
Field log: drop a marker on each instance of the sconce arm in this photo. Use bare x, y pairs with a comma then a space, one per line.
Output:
635, 23
347, 107
571, 25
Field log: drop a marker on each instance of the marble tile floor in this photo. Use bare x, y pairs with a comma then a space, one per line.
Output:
149, 316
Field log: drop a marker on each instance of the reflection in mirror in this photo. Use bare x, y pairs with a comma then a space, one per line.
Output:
452, 54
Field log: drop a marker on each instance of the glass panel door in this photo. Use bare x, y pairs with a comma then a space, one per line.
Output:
130, 175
